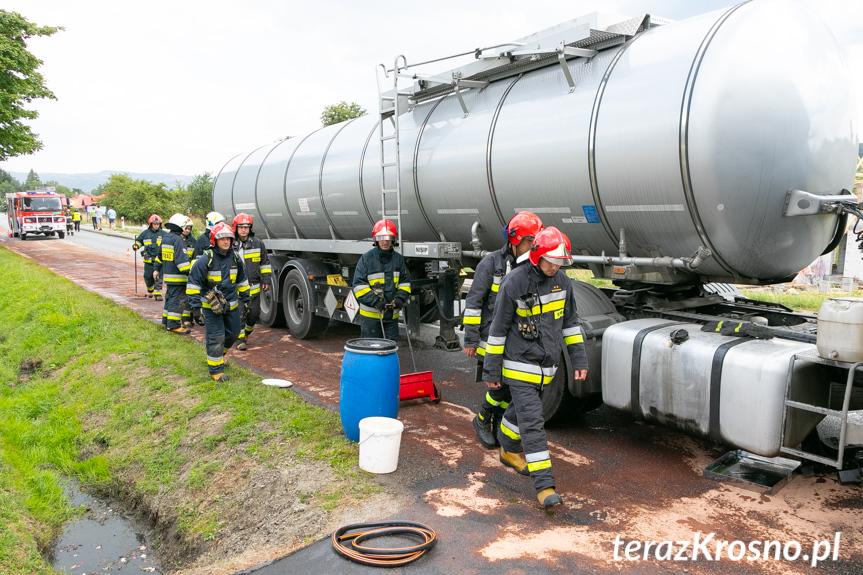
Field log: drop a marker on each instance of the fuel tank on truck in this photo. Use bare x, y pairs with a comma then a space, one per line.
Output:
684, 135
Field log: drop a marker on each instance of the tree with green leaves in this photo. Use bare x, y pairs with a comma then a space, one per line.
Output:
59, 188
136, 200
32, 182
20, 84
335, 113
199, 194
8, 184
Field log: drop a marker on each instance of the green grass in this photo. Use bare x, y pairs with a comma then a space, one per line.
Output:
587, 277
808, 302
114, 401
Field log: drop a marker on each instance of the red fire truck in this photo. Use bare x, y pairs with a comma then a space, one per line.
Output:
36, 212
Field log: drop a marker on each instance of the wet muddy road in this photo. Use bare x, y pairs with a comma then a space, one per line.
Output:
623, 483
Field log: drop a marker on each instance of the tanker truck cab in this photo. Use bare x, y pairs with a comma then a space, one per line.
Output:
36, 212
665, 153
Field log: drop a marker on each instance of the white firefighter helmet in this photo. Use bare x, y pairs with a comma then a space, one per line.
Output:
178, 222
214, 218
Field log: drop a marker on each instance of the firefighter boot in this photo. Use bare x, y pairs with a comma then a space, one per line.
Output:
157, 296
548, 498
244, 337
514, 460
221, 377
181, 330
483, 424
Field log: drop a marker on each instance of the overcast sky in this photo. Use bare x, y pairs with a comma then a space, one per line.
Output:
182, 86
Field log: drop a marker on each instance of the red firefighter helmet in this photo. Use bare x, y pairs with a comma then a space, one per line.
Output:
219, 231
553, 245
523, 225
242, 219
154, 219
384, 230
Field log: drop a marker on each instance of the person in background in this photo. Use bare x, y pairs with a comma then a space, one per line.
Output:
479, 308
258, 272
381, 284
151, 240
70, 225
76, 219
189, 240
534, 313
112, 217
173, 265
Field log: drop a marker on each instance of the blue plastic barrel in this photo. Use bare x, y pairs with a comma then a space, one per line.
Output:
369, 384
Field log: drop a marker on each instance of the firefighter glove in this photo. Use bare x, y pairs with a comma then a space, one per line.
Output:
217, 301
380, 305
398, 303
136, 246
198, 315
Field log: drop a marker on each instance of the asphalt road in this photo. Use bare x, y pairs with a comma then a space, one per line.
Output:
623, 483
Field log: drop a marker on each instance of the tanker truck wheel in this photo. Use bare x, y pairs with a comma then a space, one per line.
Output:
299, 308
272, 313
559, 405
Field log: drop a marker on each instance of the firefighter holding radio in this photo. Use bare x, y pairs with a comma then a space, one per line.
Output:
535, 311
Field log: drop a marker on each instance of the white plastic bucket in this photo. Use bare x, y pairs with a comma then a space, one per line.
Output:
380, 439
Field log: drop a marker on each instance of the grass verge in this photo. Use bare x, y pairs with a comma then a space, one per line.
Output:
93, 391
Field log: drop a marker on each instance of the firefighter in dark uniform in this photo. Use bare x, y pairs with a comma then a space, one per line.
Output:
174, 266
479, 307
203, 241
381, 284
258, 272
189, 240
535, 310
219, 268
151, 240
76, 219
202, 244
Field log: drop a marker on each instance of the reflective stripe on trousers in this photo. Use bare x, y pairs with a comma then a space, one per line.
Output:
523, 429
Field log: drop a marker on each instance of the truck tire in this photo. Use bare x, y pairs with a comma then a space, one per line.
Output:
61, 235
272, 314
300, 309
559, 405
23, 237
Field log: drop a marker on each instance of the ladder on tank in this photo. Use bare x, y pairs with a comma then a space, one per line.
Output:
390, 107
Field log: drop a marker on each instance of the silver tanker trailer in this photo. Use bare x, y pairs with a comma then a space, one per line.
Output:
716, 149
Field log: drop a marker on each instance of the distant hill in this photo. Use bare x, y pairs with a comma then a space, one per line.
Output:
87, 182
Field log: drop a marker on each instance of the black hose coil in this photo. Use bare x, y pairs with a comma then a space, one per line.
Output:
382, 556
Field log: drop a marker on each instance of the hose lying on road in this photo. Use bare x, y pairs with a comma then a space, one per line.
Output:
382, 556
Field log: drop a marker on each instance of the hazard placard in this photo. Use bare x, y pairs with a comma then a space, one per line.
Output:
351, 306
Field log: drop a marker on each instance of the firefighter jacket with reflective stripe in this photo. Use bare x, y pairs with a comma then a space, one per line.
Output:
381, 275
224, 271
76, 217
190, 246
479, 304
173, 263
201, 244
510, 355
257, 264
151, 241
